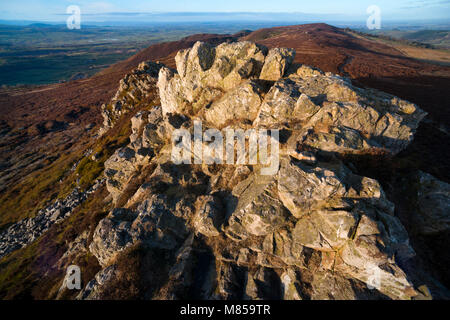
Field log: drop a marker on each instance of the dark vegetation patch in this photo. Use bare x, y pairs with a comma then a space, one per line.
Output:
141, 274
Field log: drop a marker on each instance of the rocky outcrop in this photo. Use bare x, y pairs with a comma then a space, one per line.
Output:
333, 115
276, 64
134, 89
152, 223
206, 72
147, 136
312, 230
229, 84
93, 289
345, 217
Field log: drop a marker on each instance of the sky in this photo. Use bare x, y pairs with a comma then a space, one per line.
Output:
55, 10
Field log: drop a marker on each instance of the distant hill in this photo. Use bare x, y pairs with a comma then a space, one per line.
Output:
24, 23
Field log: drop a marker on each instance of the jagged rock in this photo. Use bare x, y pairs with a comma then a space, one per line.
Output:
283, 246
195, 60
205, 72
112, 235
209, 216
336, 116
320, 186
119, 169
94, 288
170, 89
137, 122
240, 104
277, 62
257, 211
285, 103
153, 224
235, 62
134, 89
325, 230
147, 135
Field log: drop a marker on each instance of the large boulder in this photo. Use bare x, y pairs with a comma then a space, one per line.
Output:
209, 216
276, 64
205, 73
152, 224
135, 89
257, 212
335, 116
240, 104
147, 135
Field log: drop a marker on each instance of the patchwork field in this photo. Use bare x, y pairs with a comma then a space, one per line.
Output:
42, 54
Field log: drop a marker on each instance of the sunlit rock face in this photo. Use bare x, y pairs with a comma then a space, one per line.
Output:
314, 229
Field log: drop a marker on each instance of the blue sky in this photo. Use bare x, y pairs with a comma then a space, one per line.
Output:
51, 10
